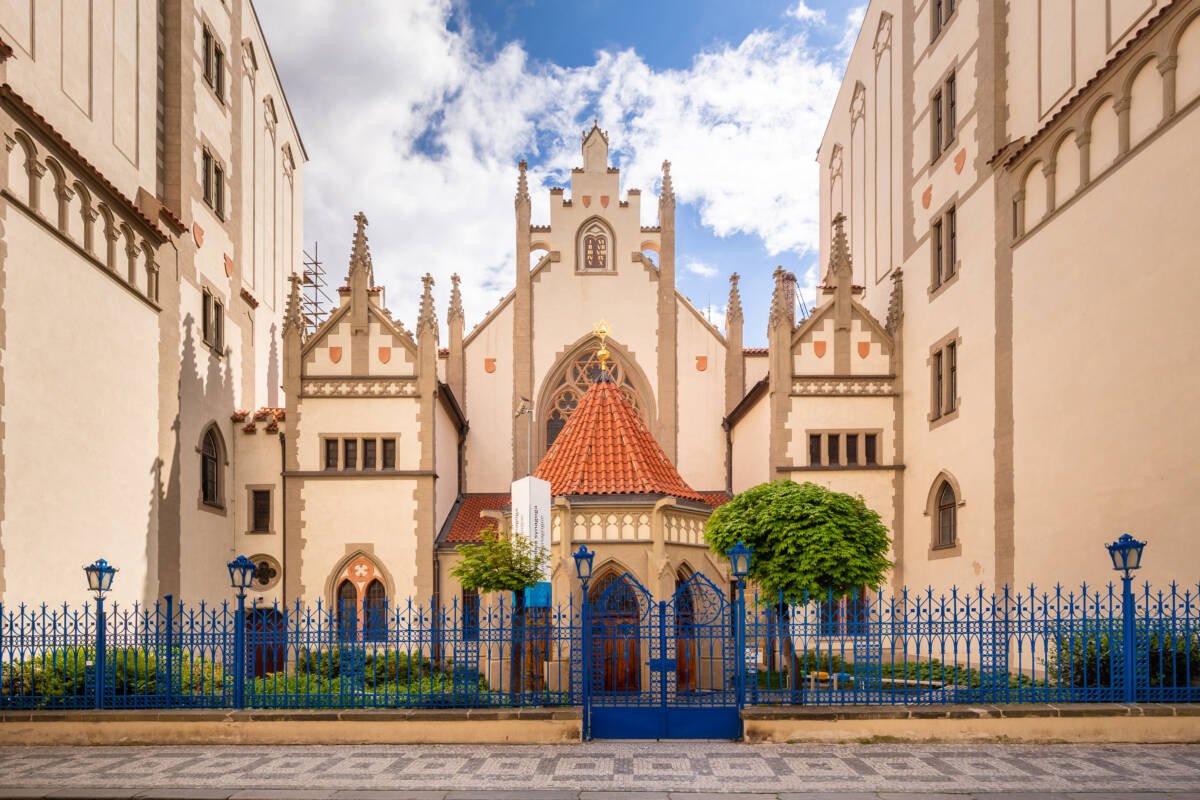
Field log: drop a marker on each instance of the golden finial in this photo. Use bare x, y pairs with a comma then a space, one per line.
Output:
601, 332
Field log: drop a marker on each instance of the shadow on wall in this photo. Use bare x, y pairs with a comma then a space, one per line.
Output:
273, 369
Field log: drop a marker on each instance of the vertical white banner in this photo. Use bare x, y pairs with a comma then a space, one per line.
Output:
531, 514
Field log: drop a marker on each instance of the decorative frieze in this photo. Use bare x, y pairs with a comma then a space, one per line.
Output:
358, 387
843, 387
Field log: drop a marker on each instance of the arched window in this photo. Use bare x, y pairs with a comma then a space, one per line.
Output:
947, 516
347, 611
575, 381
210, 469
594, 247
375, 616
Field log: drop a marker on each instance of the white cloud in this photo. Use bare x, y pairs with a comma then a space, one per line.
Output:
714, 314
803, 13
700, 268
404, 119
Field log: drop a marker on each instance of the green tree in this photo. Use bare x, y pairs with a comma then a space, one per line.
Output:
807, 540
505, 563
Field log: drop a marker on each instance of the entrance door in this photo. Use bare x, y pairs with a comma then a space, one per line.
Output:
660, 670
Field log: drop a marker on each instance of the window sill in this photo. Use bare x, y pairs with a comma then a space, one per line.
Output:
212, 508
936, 291
941, 551
947, 148
937, 422
260, 533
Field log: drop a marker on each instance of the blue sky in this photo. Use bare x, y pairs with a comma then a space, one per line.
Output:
420, 110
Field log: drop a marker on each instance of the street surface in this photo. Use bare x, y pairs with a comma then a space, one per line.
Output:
607, 771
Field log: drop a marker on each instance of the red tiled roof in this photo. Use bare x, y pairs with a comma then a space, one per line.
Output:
606, 449
755, 351
468, 523
715, 499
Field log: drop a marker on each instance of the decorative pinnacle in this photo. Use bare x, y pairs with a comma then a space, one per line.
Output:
427, 318
292, 316
456, 308
783, 298
668, 189
360, 252
522, 183
839, 254
733, 310
601, 332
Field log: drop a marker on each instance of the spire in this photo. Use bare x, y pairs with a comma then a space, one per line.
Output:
595, 149
427, 317
839, 254
895, 312
360, 252
455, 314
522, 183
783, 298
292, 315
668, 189
733, 309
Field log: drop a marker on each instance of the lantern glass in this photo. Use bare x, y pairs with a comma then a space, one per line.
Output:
583, 562
1126, 553
739, 559
241, 573
99, 575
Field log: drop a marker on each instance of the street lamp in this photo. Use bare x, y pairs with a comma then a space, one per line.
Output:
739, 564
583, 570
1126, 555
99, 578
241, 575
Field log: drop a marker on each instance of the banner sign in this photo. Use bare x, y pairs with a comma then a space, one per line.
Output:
531, 518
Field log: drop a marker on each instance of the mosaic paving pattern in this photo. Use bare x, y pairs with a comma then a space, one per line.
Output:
689, 767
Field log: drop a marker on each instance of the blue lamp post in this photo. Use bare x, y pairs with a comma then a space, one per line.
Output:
99, 577
1126, 555
241, 575
739, 564
583, 570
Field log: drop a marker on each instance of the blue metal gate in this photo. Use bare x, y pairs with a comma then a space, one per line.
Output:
660, 670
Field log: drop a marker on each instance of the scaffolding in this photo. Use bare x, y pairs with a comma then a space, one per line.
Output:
315, 300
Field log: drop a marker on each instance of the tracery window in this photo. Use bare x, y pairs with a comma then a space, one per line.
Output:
578, 377
594, 247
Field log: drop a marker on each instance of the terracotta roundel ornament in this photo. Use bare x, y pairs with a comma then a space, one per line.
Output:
819, 348
701, 363
335, 353
489, 365
198, 234
864, 349
927, 197
385, 355
228, 266
960, 160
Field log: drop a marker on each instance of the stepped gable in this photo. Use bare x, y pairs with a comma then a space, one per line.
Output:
606, 449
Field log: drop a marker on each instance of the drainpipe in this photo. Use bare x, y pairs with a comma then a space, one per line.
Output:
283, 522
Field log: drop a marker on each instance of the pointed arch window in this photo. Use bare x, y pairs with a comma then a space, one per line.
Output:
947, 516
578, 376
595, 248
347, 611
375, 612
212, 469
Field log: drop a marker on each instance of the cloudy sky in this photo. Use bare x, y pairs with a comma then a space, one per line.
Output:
417, 111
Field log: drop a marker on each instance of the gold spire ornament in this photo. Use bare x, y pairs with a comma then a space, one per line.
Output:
601, 332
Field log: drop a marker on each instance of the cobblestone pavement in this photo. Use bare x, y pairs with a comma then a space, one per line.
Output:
604, 771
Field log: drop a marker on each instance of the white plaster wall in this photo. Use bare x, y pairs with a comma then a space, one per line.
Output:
445, 463
751, 464
1122, 458
257, 462
358, 416
756, 369
75, 490
701, 402
489, 404
840, 413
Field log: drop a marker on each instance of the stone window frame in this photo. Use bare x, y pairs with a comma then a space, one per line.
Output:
825, 433
340, 444
939, 551
220, 507
939, 227
214, 61
942, 412
582, 232
258, 558
251, 488
940, 98
212, 318
942, 20
213, 179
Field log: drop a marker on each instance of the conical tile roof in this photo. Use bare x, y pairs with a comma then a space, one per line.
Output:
606, 449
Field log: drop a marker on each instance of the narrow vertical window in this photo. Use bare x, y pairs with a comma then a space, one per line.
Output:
947, 516
207, 44
951, 241
869, 449
937, 385
206, 161
851, 449
347, 608
935, 239
951, 109
389, 453
331, 454
350, 454
835, 441
218, 81
261, 520
368, 454
206, 317
218, 326
814, 450
470, 615
935, 126
952, 367
210, 469
375, 612
218, 182
935, 19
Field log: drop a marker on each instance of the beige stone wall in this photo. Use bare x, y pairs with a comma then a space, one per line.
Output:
446, 464
701, 375
489, 445
257, 465
750, 460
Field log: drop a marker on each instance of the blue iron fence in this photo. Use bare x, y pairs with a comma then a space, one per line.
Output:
1090, 645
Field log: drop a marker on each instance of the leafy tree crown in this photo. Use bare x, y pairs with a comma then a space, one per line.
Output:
808, 541
501, 562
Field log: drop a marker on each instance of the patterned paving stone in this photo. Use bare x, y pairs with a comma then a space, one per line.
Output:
657, 768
